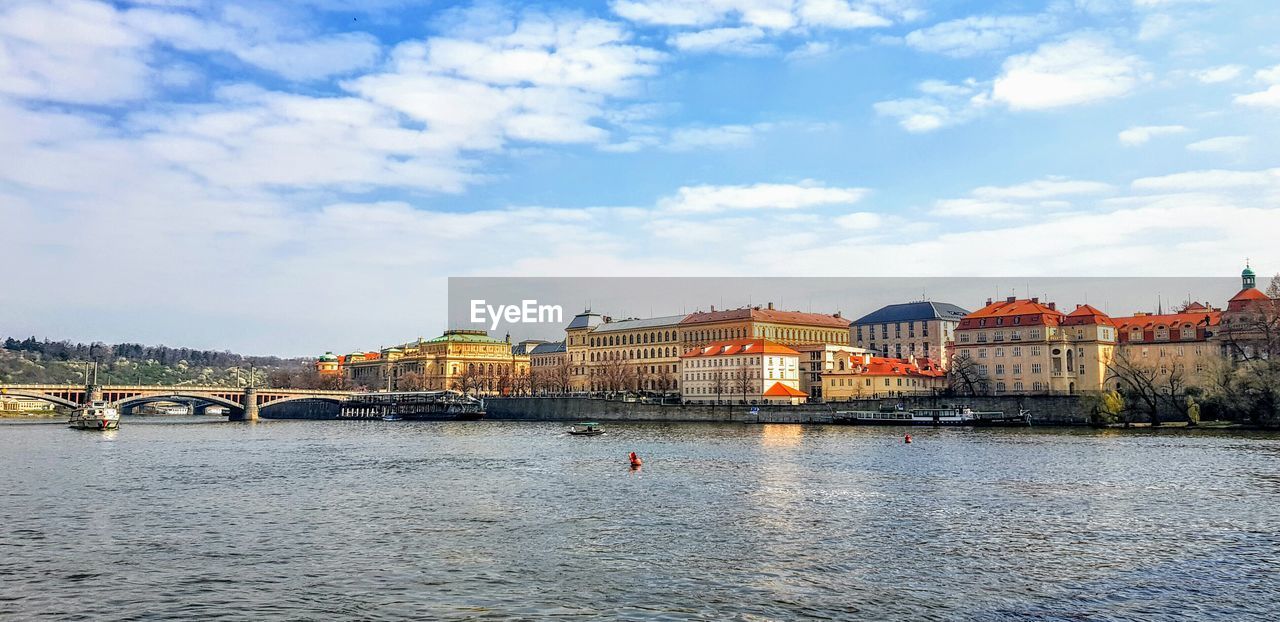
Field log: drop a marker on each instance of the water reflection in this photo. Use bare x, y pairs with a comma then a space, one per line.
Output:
295, 519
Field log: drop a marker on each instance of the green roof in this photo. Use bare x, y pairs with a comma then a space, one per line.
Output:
465, 336
1247, 271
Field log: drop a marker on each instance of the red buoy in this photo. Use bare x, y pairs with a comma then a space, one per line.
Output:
907, 438
635, 461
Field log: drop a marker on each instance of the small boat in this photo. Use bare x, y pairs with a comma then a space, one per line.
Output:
954, 415
97, 415
392, 417
588, 428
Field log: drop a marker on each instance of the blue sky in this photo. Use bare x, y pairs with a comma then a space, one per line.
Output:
298, 176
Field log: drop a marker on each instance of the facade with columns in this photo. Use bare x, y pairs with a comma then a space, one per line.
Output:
460, 359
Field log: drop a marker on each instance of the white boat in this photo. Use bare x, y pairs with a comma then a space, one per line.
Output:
95, 416
392, 417
955, 415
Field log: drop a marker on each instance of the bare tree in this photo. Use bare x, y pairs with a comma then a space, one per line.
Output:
411, 381
966, 376
719, 384
1138, 381
742, 381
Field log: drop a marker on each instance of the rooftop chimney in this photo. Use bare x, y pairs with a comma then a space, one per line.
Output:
771, 306
989, 302
713, 308
1053, 305
1035, 299
837, 315
1011, 299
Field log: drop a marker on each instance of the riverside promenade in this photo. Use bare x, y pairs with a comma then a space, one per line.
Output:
1045, 409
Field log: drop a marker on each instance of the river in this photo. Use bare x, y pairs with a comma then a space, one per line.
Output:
200, 519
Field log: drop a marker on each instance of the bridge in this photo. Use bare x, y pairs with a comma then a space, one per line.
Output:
243, 403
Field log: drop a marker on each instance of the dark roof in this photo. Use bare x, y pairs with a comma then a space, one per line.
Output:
586, 319
913, 311
637, 324
548, 348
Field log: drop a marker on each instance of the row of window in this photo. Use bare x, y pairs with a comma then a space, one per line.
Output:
643, 353
631, 339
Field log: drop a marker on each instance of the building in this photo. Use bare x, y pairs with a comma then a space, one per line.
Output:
329, 364
526, 347
819, 358
1183, 340
577, 348
463, 360
921, 329
739, 371
861, 375
790, 328
1025, 346
16, 404
549, 368
1250, 325
635, 354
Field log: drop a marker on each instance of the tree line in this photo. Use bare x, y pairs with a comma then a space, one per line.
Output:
164, 355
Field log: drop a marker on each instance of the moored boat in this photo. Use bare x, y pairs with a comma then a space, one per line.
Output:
97, 415
952, 415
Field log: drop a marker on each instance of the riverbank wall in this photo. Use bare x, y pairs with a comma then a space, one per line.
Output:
1045, 409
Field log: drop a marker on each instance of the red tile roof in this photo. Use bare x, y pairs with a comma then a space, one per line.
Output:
882, 366
1003, 313
781, 390
1087, 315
1249, 294
739, 346
772, 316
1203, 321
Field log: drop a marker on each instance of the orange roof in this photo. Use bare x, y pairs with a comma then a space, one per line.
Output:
773, 316
781, 390
1029, 312
1202, 321
740, 346
1249, 294
1087, 314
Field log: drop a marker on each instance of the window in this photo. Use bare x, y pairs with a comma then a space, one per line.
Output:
999, 352
982, 353
1017, 351
1036, 369
1035, 350
999, 370
1017, 369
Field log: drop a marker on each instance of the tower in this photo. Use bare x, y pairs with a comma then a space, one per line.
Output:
1247, 278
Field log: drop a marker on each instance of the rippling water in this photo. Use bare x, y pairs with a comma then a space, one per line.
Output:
491, 520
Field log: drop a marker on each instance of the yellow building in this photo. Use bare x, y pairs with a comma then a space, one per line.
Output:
791, 328
819, 358
1178, 342
635, 354
1025, 346
861, 375
461, 360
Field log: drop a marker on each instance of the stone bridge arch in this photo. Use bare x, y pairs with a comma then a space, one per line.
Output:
265, 409
142, 398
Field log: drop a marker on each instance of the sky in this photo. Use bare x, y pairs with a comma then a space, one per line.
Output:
290, 177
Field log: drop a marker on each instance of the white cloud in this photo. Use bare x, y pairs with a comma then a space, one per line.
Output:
1221, 73
1042, 189
942, 104
731, 40
1269, 75
718, 137
1221, 144
1078, 70
976, 35
1141, 134
860, 221
774, 15
708, 198
1213, 179
1001, 202
1269, 98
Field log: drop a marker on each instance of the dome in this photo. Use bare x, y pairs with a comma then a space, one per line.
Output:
328, 357
1247, 271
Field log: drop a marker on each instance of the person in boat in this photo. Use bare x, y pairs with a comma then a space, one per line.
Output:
635, 461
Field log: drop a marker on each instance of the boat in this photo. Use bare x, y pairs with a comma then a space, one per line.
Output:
97, 415
588, 428
951, 415
413, 406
